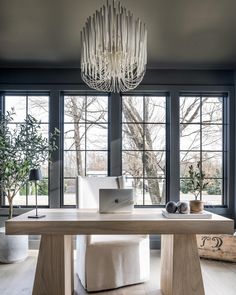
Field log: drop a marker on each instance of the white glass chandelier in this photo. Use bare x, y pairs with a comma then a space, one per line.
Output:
114, 49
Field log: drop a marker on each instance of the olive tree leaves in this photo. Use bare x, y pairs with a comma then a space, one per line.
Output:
22, 147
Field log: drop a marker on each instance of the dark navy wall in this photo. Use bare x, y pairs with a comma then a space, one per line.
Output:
59, 77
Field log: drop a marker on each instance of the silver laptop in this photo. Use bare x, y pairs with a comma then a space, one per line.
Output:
116, 200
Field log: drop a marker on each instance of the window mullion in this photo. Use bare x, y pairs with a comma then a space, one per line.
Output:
56, 167
115, 133
2, 111
173, 140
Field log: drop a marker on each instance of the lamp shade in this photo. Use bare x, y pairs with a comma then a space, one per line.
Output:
35, 174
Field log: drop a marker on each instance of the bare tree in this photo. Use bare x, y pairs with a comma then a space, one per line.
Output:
190, 112
141, 139
141, 136
90, 112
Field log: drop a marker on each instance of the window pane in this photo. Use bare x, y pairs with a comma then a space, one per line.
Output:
74, 163
212, 164
96, 163
154, 164
154, 191
74, 136
155, 109
132, 163
85, 138
213, 194
42, 194
212, 137
21, 197
189, 137
70, 191
144, 145
207, 137
74, 109
186, 159
189, 109
43, 188
97, 109
132, 109
132, 137
212, 110
38, 107
18, 104
155, 137
13, 127
44, 169
44, 130
97, 137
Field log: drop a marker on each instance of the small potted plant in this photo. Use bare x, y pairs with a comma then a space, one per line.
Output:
22, 148
195, 184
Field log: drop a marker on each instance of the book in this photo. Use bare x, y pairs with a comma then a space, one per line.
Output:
203, 215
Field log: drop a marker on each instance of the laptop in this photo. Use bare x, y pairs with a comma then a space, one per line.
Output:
116, 200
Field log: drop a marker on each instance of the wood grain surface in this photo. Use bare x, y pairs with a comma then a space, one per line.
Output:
141, 221
55, 268
180, 266
219, 247
181, 272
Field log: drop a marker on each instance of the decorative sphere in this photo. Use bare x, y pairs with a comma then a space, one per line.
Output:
171, 207
183, 207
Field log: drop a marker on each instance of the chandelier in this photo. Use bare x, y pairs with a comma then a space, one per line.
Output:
114, 49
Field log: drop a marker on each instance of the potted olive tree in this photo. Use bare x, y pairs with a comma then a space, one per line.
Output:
195, 183
22, 147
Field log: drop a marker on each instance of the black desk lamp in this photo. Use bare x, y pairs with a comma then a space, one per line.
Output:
36, 175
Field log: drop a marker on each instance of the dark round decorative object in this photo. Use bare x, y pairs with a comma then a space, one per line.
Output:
183, 207
171, 207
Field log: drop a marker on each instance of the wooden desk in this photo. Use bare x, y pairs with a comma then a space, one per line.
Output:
181, 272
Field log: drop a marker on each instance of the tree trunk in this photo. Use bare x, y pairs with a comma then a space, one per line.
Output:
76, 113
135, 132
151, 171
10, 201
10, 210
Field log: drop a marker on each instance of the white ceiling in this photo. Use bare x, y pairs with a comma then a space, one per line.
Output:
181, 33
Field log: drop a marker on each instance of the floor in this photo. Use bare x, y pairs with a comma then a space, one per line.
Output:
219, 278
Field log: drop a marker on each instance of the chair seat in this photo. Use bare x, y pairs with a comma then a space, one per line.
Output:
113, 261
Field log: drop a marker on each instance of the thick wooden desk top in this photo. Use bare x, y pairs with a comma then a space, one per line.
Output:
141, 221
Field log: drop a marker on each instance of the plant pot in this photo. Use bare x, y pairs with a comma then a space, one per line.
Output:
12, 248
196, 206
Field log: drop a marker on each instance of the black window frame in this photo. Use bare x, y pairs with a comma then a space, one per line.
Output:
225, 127
108, 123
56, 93
3, 110
167, 145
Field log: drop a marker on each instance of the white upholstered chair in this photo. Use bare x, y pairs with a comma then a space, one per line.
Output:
109, 261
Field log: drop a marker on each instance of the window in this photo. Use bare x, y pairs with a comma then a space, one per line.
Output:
202, 134
38, 107
144, 147
85, 140
147, 155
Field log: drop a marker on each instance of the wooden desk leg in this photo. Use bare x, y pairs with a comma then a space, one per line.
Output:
55, 266
180, 266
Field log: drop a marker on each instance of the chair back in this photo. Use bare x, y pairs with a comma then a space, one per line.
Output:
88, 189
